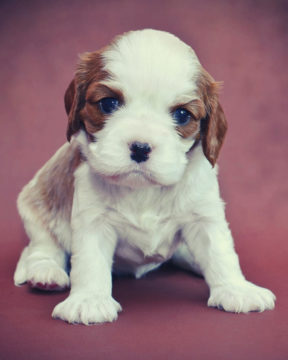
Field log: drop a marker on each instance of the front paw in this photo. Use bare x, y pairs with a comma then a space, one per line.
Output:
47, 275
241, 298
87, 309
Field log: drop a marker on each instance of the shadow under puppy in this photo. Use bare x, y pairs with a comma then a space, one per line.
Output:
136, 184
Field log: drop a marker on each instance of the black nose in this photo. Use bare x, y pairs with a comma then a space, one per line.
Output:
140, 151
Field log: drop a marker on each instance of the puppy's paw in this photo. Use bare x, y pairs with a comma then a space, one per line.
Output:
242, 298
20, 275
87, 309
47, 275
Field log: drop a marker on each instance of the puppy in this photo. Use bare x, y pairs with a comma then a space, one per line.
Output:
136, 185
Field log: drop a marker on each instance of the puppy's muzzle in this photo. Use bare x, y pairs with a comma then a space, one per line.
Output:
140, 151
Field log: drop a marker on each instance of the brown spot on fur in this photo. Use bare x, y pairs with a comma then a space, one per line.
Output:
91, 115
50, 194
214, 124
190, 129
97, 91
56, 183
197, 111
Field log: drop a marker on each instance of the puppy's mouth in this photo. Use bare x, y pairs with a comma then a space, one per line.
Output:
134, 178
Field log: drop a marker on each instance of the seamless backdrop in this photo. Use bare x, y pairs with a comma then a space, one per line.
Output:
243, 44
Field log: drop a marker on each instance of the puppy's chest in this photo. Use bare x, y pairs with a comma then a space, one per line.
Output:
146, 229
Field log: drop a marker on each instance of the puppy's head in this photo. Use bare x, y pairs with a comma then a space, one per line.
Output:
139, 105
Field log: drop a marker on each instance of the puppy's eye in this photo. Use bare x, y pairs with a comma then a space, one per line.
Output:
181, 116
108, 105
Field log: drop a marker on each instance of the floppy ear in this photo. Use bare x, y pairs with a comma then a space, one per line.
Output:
214, 125
74, 102
89, 69
69, 96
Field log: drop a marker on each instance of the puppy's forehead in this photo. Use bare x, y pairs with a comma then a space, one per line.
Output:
151, 63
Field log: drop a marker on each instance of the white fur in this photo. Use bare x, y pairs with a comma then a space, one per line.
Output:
130, 217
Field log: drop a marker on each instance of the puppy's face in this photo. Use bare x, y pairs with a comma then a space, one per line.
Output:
143, 102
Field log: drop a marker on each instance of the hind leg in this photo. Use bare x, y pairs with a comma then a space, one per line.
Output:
42, 263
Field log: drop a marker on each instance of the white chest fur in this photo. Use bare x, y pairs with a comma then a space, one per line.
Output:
146, 221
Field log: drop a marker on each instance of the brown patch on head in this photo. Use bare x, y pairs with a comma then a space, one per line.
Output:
90, 70
91, 115
213, 124
197, 111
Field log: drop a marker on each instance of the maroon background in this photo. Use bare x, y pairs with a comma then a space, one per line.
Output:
243, 43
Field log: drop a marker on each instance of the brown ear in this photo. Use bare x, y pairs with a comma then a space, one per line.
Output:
74, 100
214, 125
69, 96
89, 69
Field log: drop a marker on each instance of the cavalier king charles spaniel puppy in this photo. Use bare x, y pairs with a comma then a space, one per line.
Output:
136, 183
